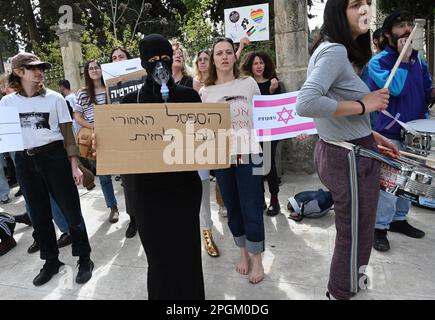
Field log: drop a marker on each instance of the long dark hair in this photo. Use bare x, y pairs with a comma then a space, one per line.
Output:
212, 74
248, 60
89, 83
336, 29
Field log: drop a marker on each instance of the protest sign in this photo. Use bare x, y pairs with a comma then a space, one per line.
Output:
275, 117
11, 137
250, 21
145, 138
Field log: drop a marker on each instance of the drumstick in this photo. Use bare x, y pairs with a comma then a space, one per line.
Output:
408, 154
399, 60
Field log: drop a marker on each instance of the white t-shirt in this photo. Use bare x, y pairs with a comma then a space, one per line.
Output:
71, 98
39, 116
238, 93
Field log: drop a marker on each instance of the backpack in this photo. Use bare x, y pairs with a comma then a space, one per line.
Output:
310, 204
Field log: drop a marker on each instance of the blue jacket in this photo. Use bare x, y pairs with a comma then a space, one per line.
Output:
410, 90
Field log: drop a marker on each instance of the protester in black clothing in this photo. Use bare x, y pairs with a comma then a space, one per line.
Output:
48, 165
179, 70
259, 65
166, 205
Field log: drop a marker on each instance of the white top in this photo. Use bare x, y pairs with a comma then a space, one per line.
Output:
71, 98
39, 116
238, 93
84, 106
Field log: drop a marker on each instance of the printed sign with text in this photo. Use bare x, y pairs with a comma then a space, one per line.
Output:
11, 137
275, 117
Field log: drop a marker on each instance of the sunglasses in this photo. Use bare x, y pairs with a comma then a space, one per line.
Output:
37, 67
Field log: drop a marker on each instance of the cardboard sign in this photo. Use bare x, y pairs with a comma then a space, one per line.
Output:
145, 138
11, 137
250, 21
120, 68
117, 88
275, 117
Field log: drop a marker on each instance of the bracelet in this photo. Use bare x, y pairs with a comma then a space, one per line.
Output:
363, 107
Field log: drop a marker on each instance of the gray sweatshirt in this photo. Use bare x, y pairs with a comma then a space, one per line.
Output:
331, 78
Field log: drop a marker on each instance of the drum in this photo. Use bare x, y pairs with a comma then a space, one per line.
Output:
408, 179
424, 142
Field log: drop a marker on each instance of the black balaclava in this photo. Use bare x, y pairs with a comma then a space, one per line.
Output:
155, 45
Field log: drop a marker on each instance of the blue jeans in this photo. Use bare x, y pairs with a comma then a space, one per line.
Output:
242, 193
4, 185
390, 207
107, 187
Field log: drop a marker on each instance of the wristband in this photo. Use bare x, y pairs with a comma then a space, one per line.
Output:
363, 107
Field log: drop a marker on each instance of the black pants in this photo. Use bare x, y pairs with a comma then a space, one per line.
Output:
272, 176
166, 208
128, 207
50, 172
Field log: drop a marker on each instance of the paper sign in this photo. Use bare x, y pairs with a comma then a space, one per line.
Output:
250, 21
275, 117
145, 138
117, 69
117, 88
11, 137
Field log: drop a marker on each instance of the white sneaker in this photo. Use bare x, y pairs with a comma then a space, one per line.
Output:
222, 211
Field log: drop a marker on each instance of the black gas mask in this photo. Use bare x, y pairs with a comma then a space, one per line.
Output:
156, 59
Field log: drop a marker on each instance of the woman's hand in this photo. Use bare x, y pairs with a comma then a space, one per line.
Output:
387, 143
302, 136
273, 85
376, 100
76, 172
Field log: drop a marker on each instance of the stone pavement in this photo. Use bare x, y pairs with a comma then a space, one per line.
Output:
296, 260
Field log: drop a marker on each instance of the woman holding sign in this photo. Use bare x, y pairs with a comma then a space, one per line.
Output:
166, 205
340, 103
95, 93
241, 185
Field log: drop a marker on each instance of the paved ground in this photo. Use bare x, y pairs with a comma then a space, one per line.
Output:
296, 260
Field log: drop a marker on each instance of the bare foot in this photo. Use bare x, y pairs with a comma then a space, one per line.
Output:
257, 272
243, 266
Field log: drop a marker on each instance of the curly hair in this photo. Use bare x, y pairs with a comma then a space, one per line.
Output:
248, 61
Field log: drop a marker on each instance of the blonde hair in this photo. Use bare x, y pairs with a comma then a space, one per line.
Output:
176, 45
198, 74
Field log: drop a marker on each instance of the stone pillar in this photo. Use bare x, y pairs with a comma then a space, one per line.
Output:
419, 38
71, 47
291, 42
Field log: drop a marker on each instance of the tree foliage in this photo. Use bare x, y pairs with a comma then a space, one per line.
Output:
420, 8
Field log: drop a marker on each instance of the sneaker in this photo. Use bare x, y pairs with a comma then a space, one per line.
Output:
49, 269
23, 218
86, 266
223, 211
114, 215
405, 228
19, 193
6, 200
34, 247
64, 240
7, 245
131, 229
274, 209
380, 241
